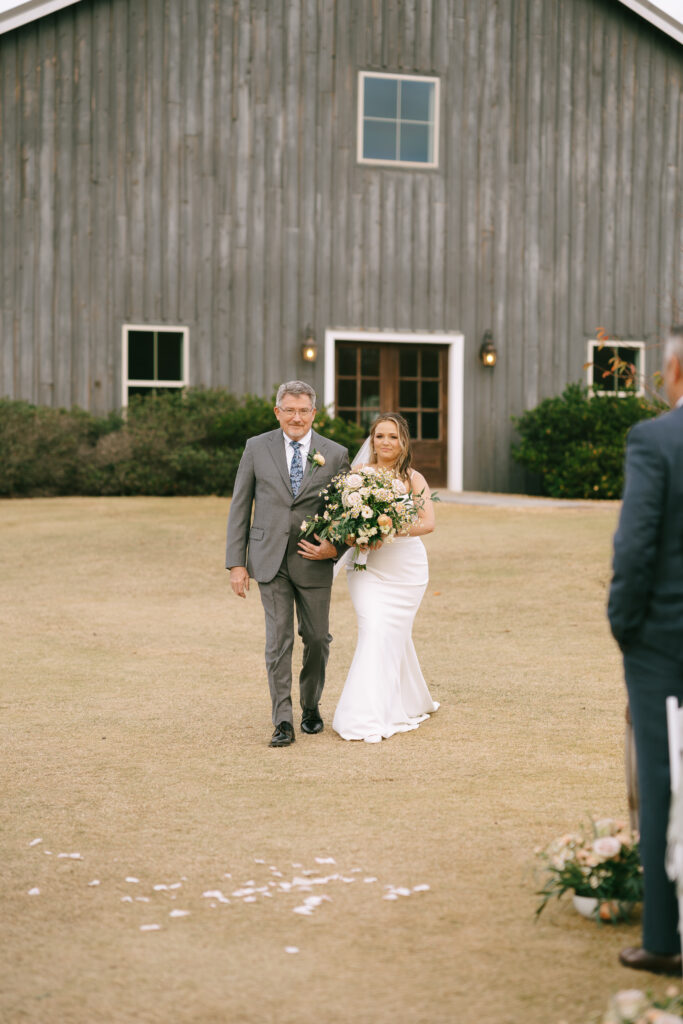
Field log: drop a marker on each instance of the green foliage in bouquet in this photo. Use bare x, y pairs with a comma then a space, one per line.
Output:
575, 442
602, 862
362, 508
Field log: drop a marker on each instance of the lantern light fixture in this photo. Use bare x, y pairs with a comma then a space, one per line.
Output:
309, 349
487, 352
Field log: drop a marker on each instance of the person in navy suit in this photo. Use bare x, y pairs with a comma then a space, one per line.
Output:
645, 611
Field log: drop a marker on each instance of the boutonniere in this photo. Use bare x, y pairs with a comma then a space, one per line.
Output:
316, 459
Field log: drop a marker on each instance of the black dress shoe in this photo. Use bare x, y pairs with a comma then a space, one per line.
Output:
311, 722
283, 735
640, 960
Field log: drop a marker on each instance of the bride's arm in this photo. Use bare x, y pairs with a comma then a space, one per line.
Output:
425, 516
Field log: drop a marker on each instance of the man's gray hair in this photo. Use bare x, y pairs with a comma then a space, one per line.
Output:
295, 387
674, 345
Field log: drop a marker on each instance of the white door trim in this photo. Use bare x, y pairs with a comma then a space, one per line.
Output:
456, 365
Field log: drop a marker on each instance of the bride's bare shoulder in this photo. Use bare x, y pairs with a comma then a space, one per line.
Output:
417, 481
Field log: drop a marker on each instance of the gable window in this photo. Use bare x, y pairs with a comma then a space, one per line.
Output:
616, 369
398, 120
155, 359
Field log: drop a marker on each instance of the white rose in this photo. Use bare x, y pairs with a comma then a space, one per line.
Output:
629, 1003
398, 487
369, 471
353, 499
607, 847
354, 481
364, 491
366, 512
304, 525
319, 459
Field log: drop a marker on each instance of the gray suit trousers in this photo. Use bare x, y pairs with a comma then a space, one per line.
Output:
279, 597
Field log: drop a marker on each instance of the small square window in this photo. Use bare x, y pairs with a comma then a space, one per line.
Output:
616, 368
155, 359
398, 119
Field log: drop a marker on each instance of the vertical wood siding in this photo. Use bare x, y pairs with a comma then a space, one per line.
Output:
173, 162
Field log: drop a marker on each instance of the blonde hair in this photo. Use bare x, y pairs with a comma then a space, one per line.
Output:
405, 457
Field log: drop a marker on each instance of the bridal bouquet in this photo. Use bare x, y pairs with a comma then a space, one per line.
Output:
362, 507
602, 863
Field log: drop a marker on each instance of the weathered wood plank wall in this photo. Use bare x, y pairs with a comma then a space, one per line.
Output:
175, 162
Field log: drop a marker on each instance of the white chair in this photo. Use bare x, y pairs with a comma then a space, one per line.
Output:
674, 859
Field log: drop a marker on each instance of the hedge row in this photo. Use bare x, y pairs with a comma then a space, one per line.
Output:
575, 443
168, 444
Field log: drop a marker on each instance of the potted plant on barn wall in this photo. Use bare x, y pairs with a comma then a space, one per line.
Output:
599, 865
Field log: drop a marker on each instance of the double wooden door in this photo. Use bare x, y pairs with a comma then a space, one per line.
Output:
409, 379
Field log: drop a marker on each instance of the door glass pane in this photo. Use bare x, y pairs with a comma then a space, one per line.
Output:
407, 394
411, 418
430, 362
430, 425
408, 362
368, 417
347, 414
170, 355
430, 394
369, 362
415, 143
416, 100
379, 140
141, 355
369, 394
346, 360
380, 97
346, 393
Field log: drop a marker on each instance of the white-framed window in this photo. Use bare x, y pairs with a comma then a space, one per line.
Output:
398, 120
154, 358
616, 367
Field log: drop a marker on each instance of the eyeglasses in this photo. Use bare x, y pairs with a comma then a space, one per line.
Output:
289, 413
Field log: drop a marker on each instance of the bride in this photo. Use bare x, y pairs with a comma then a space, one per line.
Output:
385, 691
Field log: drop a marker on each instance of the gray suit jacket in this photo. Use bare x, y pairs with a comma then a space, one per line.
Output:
262, 482
646, 595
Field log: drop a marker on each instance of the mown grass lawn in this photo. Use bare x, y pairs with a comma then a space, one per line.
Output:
135, 720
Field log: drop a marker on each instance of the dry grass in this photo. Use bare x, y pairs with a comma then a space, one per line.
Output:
135, 721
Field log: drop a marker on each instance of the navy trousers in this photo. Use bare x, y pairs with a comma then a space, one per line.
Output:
651, 677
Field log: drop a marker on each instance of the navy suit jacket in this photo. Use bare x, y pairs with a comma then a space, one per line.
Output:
646, 596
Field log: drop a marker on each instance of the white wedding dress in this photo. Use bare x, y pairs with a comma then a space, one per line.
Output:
385, 691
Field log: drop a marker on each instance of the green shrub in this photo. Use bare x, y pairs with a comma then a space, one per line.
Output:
168, 444
575, 442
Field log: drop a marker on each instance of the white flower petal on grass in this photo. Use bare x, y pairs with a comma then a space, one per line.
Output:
325, 860
176, 885
95, 881
179, 913
342, 879
269, 895
296, 865
215, 894
369, 879
285, 886
239, 893
72, 856
249, 899
356, 871
421, 888
133, 880
259, 860
390, 896
150, 927
403, 892
303, 910
158, 888
291, 949
126, 899
142, 899
34, 842
48, 852
226, 875
34, 892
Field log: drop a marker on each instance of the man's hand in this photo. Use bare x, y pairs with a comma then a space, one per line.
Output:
317, 552
239, 580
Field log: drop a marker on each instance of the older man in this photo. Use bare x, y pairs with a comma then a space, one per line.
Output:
280, 478
646, 615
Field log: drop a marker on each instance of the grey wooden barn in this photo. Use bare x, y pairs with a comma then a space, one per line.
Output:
230, 193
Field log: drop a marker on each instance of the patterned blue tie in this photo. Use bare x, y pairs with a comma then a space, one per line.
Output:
296, 470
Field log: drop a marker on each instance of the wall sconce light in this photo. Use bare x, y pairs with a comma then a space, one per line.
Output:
309, 349
487, 352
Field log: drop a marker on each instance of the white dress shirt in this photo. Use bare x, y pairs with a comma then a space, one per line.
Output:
679, 402
305, 443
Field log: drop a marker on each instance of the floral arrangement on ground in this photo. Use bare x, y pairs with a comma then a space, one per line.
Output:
631, 1006
362, 508
600, 861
